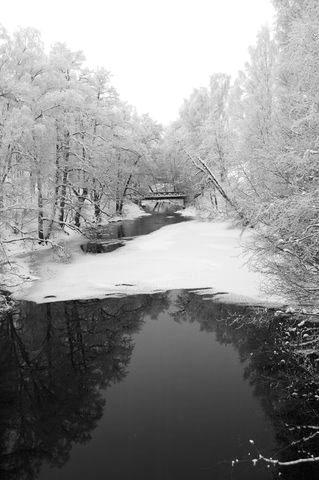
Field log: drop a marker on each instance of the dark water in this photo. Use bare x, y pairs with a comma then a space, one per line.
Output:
114, 235
165, 386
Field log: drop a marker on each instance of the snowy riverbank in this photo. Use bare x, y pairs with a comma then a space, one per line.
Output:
190, 255
17, 273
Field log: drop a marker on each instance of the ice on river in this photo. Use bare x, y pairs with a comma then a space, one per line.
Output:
190, 255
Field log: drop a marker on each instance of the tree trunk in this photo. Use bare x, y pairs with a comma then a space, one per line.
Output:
120, 201
213, 199
4, 174
81, 199
64, 178
40, 209
119, 206
56, 189
97, 203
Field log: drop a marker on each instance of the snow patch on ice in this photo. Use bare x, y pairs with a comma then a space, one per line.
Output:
130, 212
188, 212
198, 213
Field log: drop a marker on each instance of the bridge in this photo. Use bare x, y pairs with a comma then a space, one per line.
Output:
160, 196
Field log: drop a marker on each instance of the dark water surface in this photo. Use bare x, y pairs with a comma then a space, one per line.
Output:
161, 386
114, 235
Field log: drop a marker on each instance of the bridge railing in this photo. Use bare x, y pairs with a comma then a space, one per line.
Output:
165, 195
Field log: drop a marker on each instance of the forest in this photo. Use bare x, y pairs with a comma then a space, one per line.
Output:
72, 153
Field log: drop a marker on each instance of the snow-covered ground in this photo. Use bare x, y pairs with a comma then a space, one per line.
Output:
199, 213
203, 208
194, 212
16, 253
193, 255
130, 212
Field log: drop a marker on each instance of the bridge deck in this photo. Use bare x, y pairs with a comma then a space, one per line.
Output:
164, 196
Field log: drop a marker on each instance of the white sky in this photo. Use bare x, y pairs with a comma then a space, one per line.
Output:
157, 50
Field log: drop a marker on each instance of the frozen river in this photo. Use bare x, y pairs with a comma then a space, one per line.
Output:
157, 253
149, 379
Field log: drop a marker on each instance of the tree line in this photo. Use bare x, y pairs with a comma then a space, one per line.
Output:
252, 145
70, 150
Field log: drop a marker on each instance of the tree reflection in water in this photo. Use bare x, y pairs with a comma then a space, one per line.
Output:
278, 365
56, 359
